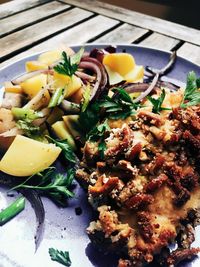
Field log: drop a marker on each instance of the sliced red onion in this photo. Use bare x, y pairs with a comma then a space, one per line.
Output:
70, 107
85, 76
29, 75
101, 75
149, 89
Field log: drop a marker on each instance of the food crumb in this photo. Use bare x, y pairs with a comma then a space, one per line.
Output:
78, 211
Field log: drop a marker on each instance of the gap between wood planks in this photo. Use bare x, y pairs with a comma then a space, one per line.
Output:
21, 49
67, 8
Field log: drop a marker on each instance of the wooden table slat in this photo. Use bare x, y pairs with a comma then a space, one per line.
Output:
76, 35
190, 52
145, 21
159, 41
13, 7
41, 30
125, 33
19, 20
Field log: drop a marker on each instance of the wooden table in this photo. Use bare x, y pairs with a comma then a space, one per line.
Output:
30, 26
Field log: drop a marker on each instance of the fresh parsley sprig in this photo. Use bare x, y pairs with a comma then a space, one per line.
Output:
98, 135
157, 102
119, 106
60, 256
66, 149
69, 64
192, 92
55, 185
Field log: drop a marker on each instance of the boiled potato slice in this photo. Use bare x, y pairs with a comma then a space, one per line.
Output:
62, 133
33, 85
10, 88
119, 62
73, 86
135, 75
35, 65
50, 57
72, 123
77, 96
114, 77
26, 157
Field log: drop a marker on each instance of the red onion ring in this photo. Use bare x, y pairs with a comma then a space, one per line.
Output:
149, 89
101, 75
85, 76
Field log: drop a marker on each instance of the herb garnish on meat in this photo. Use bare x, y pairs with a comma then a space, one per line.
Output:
60, 256
98, 134
157, 103
192, 92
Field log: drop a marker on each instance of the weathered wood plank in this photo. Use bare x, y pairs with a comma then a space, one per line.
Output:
159, 41
125, 33
135, 18
77, 35
190, 52
39, 31
19, 20
13, 7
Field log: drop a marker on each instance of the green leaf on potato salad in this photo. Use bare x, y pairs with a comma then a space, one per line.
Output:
66, 149
69, 64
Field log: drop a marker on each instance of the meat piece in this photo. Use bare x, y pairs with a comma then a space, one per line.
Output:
181, 254
144, 224
156, 183
103, 185
151, 117
139, 201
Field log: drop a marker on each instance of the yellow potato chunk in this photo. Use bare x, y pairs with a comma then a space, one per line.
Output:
114, 77
50, 57
71, 84
135, 75
62, 133
10, 88
119, 62
35, 65
26, 156
72, 123
33, 85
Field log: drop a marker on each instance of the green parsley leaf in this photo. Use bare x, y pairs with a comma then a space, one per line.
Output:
55, 185
157, 103
98, 135
86, 98
192, 92
60, 256
66, 149
69, 65
89, 118
120, 106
